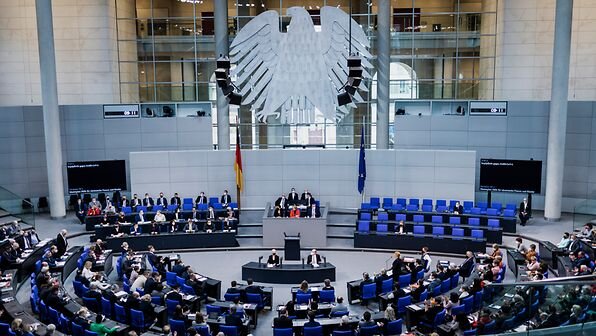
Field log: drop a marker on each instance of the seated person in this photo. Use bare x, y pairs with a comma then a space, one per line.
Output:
311, 320
277, 212
228, 225
146, 307
161, 200
283, 321
104, 220
225, 199
366, 321
233, 288
155, 230
327, 285
201, 199
313, 211
314, 259
209, 227
340, 306
458, 209
282, 204
99, 328
304, 287
117, 231
210, 213
81, 318
564, 243
400, 227
140, 217
94, 211
416, 289
159, 216
295, 212
193, 215
135, 230
273, 260
121, 218
432, 308
190, 227
173, 227
232, 319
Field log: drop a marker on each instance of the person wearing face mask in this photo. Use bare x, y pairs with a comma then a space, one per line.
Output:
314, 259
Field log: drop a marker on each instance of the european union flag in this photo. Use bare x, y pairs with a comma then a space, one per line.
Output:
362, 164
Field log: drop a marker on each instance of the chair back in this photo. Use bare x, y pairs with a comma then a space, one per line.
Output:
369, 291
171, 279
458, 309
454, 280
303, 298
106, 307
439, 318
91, 303
203, 330
402, 303
394, 328
91, 333
423, 296
490, 327
363, 226
231, 296
120, 313
212, 309
188, 290
76, 330
327, 295
369, 331
283, 332
313, 331
387, 286
340, 313
137, 319
255, 298
343, 333
471, 332
171, 305
177, 326
229, 330
446, 285
469, 303
404, 280
53, 315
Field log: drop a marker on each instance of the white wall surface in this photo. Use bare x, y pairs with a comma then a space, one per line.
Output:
331, 175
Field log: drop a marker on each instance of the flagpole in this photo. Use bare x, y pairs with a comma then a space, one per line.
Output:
237, 186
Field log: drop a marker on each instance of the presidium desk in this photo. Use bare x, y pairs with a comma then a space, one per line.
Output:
313, 231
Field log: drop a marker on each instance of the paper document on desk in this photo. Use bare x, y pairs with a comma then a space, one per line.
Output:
415, 307
121, 294
60, 263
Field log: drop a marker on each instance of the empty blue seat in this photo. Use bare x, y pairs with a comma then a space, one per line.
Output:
363, 226
412, 207
511, 206
231, 296
442, 208
414, 201
418, 218
401, 201
400, 217
474, 221
375, 202
427, 201
492, 212
496, 205
441, 202
127, 210
427, 208
418, 229
387, 202
397, 207
475, 211
178, 326
202, 207
217, 206
234, 205
365, 206
171, 306
213, 200
90, 333
157, 208
141, 207
302, 298
404, 280
188, 290
313, 331
172, 207
327, 295
76, 329
508, 213
457, 232
283, 332
494, 224
171, 279
369, 291
394, 327
438, 231
423, 295
482, 205
137, 320
445, 285
477, 234
255, 298
458, 310
382, 228
120, 313
365, 215
383, 216
187, 200
468, 205
402, 303
437, 219
387, 285
454, 220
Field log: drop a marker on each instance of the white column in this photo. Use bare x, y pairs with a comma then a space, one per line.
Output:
51, 116
222, 48
383, 60
557, 123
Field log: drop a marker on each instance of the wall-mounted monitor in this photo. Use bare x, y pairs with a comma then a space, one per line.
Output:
522, 176
488, 108
96, 176
115, 111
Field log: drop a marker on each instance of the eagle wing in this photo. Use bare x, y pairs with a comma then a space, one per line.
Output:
336, 46
255, 52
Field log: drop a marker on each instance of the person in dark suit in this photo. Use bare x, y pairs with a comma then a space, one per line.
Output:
178, 267
313, 212
124, 202
151, 256
367, 322
110, 294
136, 201
232, 319
397, 266
176, 200
80, 210
94, 293
432, 309
467, 267
525, 212
61, 242
282, 203
225, 199
313, 258
153, 284
365, 281
133, 302
210, 213
304, 195
147, 201
233, 288
54, 300
574, 245
174, 294
135, 230
147, 309
308, 201
273, 259
161, 200
458, 209
283, 321
293, 197
201, 199
252, 288
311, 320
81, 319
140, 218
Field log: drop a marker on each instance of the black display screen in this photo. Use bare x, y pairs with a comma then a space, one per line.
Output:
96, 176
522, 176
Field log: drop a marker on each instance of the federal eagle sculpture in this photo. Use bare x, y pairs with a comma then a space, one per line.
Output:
288, 75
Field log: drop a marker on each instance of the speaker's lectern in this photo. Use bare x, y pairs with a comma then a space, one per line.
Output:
292, 247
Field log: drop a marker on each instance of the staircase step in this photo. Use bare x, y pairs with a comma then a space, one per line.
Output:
250, 225
336, 242
339, 236
250, 242
350, 225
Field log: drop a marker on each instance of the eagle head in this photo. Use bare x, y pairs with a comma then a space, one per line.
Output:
300, 17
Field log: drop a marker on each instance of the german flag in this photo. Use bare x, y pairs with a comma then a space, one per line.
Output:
238, 163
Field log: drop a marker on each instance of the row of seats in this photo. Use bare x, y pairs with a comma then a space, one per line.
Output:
185, 207
413, 204
438, 231
493, 223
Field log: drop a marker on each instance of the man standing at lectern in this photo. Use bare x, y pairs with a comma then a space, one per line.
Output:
314, 259
273, 260
524, 211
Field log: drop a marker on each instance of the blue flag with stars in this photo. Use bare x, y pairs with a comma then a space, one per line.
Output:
362, 164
